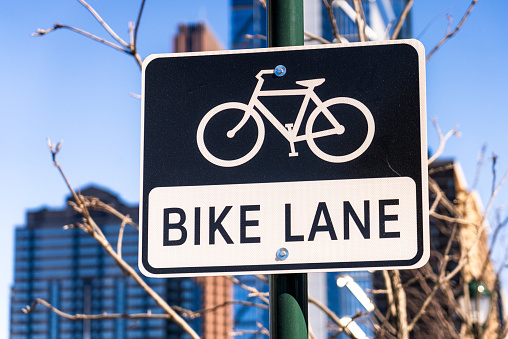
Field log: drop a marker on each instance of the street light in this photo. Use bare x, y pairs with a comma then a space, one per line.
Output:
479, 308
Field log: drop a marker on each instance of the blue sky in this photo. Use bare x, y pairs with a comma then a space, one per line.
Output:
65, 86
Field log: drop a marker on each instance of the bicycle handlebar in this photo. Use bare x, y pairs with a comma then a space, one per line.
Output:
264, 71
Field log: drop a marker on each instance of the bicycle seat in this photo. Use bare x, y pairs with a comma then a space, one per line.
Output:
310, 83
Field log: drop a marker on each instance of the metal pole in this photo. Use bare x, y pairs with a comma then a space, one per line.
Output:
285, 23
288, 306
288, 292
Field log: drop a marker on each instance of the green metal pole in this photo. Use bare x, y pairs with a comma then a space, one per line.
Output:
288, 292
289, 306
285, 23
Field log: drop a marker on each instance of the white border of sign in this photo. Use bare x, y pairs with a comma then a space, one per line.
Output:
215, 269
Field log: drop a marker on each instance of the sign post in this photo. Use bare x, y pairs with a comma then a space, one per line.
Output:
284, 160
288, 292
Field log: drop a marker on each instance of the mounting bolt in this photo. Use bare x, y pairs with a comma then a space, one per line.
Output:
282, 253
280, 71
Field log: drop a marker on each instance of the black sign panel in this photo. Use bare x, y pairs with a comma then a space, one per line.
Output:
285, 159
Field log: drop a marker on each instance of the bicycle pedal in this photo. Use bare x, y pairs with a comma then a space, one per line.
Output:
293, 154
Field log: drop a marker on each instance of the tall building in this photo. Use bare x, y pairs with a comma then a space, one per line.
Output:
441, 318
248, 24
195, 38
248, 318
248, 21
70, 270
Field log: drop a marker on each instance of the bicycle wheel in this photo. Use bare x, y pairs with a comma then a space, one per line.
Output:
360, 144
237, 122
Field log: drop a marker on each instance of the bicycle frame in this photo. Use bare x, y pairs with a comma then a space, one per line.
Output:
290, 130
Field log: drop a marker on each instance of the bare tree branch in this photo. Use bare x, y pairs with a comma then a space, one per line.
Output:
443, 277
130, 49
104, 24
263, 3
196, 314
316, 38
451, 34
120, 239
134, 41
442, 140
261, 330
331, 17
41, 32
479, 166
95, 204
102, 316
401, 20
360, 19
92, 229
250, 289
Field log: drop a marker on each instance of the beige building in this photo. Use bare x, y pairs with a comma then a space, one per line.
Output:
195, 38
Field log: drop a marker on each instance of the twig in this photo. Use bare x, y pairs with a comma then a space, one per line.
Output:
479, 165
317, 38
499, 226
449, 35
130, 49
494, 161
103, 23
332, 315
442, 140
261, 330
134, 41
41, 32
493, 195
94, 203
326, 310
331, 17
263, 3
120, 239
250, 289
451, 219
360, 19
401, 19
444, 202
440, 169
29, 309
248, 37
196, 314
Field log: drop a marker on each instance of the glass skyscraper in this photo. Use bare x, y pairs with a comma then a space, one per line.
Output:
248, 317
345, 304
248, 24
248, 20
69, 269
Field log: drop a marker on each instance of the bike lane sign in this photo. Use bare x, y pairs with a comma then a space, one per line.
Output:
291, 159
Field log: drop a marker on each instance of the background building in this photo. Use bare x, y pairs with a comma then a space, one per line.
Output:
248, 21
69, 269
442, 319
195, 38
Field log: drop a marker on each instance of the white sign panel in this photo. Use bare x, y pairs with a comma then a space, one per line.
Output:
246, 224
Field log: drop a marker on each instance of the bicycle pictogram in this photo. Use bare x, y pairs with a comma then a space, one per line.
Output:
289, 130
